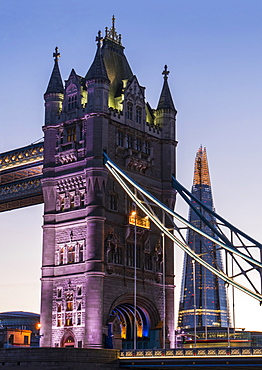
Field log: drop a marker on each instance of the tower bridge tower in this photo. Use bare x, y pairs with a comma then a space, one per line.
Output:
89, 239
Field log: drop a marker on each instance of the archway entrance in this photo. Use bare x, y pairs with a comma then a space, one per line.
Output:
129, 327
68, 340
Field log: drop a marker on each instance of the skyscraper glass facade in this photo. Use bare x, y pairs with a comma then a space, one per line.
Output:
203, 301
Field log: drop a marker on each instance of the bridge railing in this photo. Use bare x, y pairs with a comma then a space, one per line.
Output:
189, 352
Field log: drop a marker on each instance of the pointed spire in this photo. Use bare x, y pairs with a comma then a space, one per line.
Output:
55, 83
112, 34
97, 69
165, 100
201, 171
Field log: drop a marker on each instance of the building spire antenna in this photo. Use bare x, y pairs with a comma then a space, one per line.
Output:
99, 38
56, 54
165, 72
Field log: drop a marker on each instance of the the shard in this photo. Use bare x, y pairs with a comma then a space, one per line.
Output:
203, 301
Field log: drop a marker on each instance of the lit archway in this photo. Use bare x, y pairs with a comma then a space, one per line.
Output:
128, 324
68, 340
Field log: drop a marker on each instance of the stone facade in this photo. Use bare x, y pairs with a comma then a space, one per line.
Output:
88, 265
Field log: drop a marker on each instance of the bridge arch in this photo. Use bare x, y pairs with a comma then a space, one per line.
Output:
122, 318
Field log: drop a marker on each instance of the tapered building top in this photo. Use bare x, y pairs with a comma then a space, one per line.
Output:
97, 69
165, 100
203, 300
201, 172
55, 84
110, 61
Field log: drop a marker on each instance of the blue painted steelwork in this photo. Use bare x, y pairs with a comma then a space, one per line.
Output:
144, 205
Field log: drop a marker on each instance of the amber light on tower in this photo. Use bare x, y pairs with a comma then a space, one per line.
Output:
139, 221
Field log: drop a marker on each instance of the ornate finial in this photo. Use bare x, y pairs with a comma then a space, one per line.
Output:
56, 55
165, 72
99, 38
112, 34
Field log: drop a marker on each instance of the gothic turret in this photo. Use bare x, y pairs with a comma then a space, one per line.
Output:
97, 82
110, 63
54, 93
166, 120
165, 100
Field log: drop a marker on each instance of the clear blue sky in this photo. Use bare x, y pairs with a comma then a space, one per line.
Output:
213, 51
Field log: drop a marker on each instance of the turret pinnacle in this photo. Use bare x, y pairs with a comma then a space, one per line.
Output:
55, 83
165, 100
201, 172
97, 69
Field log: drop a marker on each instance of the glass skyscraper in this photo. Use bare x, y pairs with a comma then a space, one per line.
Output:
203, 301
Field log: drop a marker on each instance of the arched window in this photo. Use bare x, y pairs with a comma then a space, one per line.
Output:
69, 320
71, 254
138, 114
79, 290
129, 112
72, 102
81, 253
69, 302
62, 253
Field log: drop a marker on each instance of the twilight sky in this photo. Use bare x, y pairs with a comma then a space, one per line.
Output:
213, 52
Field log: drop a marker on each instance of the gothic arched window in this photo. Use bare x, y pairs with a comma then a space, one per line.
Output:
138, 114
72, 102
62, 252
129, 112
71, 254
81, 253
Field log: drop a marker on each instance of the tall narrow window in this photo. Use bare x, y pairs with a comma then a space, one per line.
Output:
130, 254
72, 102
129, 142
81, 253
120, 138
129, 113
62, 252
68, 319
59, 320
79, 290
113, 202
71, 255
138, 144
69, 302
71, 134
26, 339
147, 147
148, 261
138, 114
117, 255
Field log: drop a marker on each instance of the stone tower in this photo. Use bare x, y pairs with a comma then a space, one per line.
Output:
209, 306
88, 239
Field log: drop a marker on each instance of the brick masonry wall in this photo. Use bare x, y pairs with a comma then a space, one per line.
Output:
58, 358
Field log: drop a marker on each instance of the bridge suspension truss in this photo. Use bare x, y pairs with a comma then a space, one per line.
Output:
242, 254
